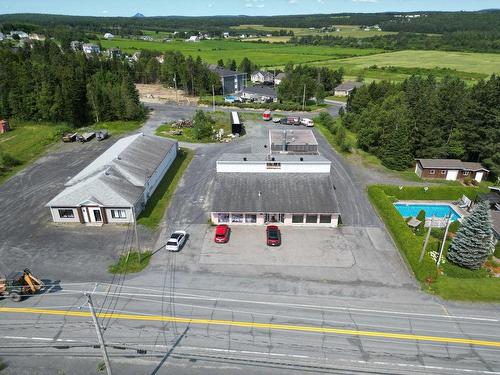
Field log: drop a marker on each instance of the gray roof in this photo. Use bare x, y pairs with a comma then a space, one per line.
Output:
261, 90
280, 192
450, 164
284, 158
293, 137
118, 176
266, 75
348, 86
222, 72
495, 219
281, 76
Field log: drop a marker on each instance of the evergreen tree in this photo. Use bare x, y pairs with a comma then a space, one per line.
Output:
202, 125
474, 240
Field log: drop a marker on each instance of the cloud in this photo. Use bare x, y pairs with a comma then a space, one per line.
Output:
293, 1
364, 1
105, 12
254, 4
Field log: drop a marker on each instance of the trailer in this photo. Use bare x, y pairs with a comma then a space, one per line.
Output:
69, 137
85, 137
236, 124
101, 134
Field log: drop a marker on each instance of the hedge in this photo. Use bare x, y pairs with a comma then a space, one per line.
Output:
441, 192
408, 243
270, 106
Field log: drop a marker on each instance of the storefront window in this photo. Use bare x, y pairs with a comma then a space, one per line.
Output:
298, 219
237, 218
250, 218
311, 219
66, 214
325, 219
223, 218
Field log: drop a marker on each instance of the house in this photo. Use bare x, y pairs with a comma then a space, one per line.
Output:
116, 186
193, 39
296, 142
113, 53
108, 36
450, 169
260, 188
231, 81
346, 88
75, 45
262, 77
225, 35
2, 36
259, 93
279, 77
20, 34
495, 219
37, 37
160, 59
90, 48
4, 126
147, 38
136, 56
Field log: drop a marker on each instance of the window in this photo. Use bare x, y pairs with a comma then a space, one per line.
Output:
237, 218
432, 171
66, 214
118, 214
223, 218
298, 218
465, 173
250, 218
325, 219
311, 219
273, 165
443, 171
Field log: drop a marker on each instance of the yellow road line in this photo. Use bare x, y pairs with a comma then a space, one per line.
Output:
281, 327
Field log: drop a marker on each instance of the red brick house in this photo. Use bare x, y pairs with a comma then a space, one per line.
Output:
450, 169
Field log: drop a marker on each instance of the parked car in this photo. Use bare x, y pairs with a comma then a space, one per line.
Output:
307, 122
276, 120
273, 235
222, 233
266, 116
176, 240
290, 120
101, 134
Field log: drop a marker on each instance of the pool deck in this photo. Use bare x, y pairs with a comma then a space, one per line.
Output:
440, 223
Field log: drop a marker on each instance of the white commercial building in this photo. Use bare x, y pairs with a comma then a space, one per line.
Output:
116, 186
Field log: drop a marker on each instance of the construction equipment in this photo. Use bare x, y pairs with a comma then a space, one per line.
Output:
18, 284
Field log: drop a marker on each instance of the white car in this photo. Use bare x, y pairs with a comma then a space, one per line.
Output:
307, 122
176, 240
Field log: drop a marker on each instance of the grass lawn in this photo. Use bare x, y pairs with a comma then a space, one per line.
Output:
25, 143
131, 262
337, 98
152, 214
452, 282
221, 122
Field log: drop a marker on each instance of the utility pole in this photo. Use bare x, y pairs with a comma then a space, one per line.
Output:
444, 241
175, 83
213, 98
136, 234
426, 241
99, 334
304, 99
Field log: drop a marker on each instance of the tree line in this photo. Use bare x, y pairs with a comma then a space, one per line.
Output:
423, 118
45, 83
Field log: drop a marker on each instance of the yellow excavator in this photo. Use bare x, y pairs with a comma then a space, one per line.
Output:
19, 284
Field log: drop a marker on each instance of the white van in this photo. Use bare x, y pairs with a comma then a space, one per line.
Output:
307, 122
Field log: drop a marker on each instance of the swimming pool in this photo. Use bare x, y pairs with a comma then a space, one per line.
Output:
438, 210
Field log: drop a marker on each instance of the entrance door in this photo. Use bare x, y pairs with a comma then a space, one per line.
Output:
97, 215
479, 176
274, 218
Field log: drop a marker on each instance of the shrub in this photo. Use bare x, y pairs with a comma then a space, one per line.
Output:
452, 270
345, 146
421, 217
497, 251
454, 227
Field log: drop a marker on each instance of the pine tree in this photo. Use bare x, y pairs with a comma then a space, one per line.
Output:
474, 240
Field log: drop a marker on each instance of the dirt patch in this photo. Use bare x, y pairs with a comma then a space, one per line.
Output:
156, 93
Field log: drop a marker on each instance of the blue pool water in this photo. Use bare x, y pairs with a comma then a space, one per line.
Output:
438, 210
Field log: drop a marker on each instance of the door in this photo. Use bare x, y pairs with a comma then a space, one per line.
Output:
479, 176
97, 215
452, 175
274, 218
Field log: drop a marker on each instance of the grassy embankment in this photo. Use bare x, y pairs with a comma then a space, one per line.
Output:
449, 281
152, 214
27, 141
132, 262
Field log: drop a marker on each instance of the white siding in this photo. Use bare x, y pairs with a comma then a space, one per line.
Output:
261, 167
288, 220
128, 213
58, 219
160, 172
418, 170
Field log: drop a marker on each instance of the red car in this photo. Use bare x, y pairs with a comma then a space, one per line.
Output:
221, 233
273, 235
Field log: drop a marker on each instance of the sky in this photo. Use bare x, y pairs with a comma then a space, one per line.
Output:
232, 7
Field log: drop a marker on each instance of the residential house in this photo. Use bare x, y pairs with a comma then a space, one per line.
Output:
116, 186
346, 88
108, 36
260, 93
147, 38
113, 53
225, 35
37, 37
260, 76
76, 45
91, 48
193, 39
450, 169
20, 34
160, 59
231, 81
4, 126
279, 77
136, 56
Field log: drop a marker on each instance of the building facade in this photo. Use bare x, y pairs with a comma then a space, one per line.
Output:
346, 88
231, 81
116, 186
450, 169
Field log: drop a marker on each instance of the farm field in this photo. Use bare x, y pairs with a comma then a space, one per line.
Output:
261, 53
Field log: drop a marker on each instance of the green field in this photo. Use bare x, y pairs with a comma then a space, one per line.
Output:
462, 62
261, 53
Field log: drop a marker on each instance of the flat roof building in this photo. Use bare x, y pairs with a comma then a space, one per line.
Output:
116, 186
293, 142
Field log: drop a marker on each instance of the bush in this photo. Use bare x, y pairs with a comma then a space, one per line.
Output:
452, 270
446, 193
497, 251
421, 226
454, 226
345, 147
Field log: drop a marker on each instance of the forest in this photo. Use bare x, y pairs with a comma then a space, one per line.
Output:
423, 118
45, 83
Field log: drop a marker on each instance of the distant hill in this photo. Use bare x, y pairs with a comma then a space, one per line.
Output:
138, 15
